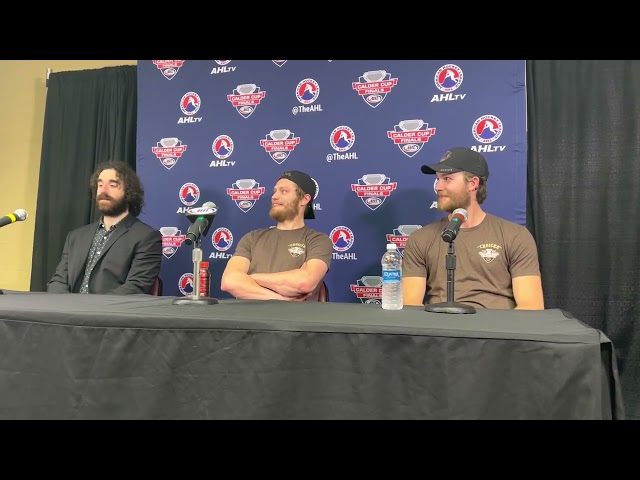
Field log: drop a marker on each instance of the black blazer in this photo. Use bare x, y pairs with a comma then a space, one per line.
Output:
129, 262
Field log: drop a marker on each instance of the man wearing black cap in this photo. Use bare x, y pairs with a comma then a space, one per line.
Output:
287, 262
496, 260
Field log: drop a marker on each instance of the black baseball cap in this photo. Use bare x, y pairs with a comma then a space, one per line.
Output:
306, 184
459, 159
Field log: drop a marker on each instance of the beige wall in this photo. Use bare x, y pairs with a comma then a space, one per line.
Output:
22, 101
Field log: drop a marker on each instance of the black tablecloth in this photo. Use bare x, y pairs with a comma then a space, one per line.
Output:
80, 356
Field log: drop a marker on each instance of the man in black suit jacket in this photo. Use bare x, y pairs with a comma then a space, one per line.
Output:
117, 255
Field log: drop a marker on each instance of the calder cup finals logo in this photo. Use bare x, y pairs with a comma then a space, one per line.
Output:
171, 240
411, 135
373, 189
169, 151
279, 62
400, 235
279, 144
368, 289
374, 86
245, 98
169, 68
245, 192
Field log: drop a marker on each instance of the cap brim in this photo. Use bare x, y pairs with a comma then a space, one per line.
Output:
432, 169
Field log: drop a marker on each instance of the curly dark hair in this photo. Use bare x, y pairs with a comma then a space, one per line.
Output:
133, 189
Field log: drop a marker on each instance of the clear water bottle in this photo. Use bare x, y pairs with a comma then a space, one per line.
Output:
392, 278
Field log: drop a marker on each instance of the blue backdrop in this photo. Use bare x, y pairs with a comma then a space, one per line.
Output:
224, 131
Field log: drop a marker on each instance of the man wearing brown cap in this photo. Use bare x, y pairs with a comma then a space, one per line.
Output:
287, 262
496, 260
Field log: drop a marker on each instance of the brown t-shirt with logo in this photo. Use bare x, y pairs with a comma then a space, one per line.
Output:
488, 256
271, 250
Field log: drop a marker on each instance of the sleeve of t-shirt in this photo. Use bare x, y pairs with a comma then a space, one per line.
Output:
524, 255
413, 262
243, 249
321, 248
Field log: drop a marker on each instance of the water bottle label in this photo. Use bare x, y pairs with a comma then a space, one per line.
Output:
391, 276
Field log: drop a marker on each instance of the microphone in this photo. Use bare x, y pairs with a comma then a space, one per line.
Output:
458, 217
201, 219
17, 216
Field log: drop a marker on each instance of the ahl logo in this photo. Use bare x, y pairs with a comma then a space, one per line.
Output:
448, 78
307, 91
410, 136
487, 129
373, 189
222, 68
190, 103
342, 138
245, 98
279, 144
373, 86
169, 68
171, 240
342, 238
245, 193
185, 284
279, 62
222, 146
189, 194
222, 239
368, 289
169, 151
401, 234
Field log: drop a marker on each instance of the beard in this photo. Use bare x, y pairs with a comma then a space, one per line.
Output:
287, 212
113, 208
449, 204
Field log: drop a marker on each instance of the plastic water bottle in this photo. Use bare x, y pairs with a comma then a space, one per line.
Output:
392, 278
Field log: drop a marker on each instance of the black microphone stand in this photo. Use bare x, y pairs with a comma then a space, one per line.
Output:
196, 298
450, 306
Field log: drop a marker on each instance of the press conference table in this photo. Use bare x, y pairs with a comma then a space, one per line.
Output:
79, 356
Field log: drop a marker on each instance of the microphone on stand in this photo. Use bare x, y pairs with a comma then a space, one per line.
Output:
201, 219
458, 217
449, 234
17, 216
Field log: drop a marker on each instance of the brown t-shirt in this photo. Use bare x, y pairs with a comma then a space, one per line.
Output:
488, 256
271, 250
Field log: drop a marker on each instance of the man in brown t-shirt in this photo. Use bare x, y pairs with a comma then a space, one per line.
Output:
496, 260
287, 262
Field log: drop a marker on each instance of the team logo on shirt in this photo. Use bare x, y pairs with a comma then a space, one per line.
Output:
374, 86
185, 284
373, 189
489, 251
245, 98
245, 192
168, 151
411, 135
400, 236
169, 68
368, 289
297, 249
171, 240
279, 144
